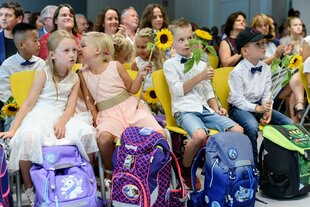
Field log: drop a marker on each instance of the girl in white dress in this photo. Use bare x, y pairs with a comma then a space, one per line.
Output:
46, 117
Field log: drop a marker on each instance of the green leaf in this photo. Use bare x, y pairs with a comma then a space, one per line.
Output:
150, 46
188, 65
211, 50
285, 61
193, 42
197, 54
286, 78
275, 65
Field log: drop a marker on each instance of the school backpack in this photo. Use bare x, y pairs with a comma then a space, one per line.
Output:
231, 176
285, 161
142, 165
5, 196
64, 179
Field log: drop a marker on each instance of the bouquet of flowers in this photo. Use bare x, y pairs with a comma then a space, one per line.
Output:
151, 99
10, 108
288, 63
198, 46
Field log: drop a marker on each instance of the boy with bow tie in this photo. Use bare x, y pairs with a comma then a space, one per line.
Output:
250, 88
26, 40
193, 102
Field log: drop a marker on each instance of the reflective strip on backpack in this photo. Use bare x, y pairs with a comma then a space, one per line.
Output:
240, 163
154, 195
212, 169
120, 204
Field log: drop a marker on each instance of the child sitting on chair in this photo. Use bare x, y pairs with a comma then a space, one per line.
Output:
250, 88
26, 40
194, 106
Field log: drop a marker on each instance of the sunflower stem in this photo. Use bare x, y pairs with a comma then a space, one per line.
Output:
147, 72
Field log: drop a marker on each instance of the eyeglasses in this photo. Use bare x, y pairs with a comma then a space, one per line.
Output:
48, 18
6, 15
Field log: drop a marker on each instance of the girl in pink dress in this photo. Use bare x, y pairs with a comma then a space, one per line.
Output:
111, 87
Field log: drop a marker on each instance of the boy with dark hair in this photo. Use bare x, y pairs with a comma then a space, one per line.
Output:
250, 88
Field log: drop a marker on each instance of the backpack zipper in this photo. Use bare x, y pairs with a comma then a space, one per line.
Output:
212, 169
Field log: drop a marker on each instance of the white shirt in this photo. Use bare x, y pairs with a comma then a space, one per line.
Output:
195, 99
141, 64
12, 65
246, 88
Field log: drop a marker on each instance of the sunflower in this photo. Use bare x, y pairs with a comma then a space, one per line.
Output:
150, 96
203, 34
164, 39
295, 62
10, 109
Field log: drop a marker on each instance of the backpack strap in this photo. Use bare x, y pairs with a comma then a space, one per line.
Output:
197, 160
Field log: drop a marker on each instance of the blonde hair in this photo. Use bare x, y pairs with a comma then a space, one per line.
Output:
177, 24
158, 56
122, 46
264, 18
103, 42
52, 43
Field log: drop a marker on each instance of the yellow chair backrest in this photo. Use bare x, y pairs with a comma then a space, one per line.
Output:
127, 66
76, 67
21, 83
213, 60
133, 75
220, 84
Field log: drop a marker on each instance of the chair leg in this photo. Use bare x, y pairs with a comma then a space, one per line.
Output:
101, 177
305, 115
18, 189
168, 138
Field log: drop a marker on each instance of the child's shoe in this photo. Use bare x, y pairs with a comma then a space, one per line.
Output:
30, 195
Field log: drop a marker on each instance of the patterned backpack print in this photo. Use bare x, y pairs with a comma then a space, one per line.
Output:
142, 170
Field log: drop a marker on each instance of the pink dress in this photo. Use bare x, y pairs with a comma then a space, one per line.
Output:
114, 120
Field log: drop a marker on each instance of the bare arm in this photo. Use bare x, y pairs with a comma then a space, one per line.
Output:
225, 55
29, 103
134, 66
133, 86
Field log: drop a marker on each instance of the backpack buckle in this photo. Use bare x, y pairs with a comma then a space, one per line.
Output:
232, 175
128, 161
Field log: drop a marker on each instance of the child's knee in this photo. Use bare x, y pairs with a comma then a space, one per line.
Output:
237, 128
105, 138
164, 133
199, 136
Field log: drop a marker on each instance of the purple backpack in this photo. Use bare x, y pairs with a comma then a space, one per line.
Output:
64, 179
5, 199
142, 171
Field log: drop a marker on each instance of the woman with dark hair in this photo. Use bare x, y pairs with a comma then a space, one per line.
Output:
154, 17
235, 23
108, 21
34, 19
63, 19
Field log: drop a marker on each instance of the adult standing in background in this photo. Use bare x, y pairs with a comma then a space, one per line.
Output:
63, 19
130, 20
46, 17
82, 23
108, 21
235, 24
154, 17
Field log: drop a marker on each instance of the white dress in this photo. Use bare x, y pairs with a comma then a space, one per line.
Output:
37, 128
141, 64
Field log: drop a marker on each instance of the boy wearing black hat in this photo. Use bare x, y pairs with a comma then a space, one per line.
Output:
250, 88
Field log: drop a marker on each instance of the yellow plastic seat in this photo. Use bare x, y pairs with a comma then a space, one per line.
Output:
133, 75
213, 60
220, 84
21, 83
127, 66
307, 89
76, 67
163, 95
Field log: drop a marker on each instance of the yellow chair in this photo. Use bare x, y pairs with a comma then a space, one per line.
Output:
133, 75
307, 89
21, 83
76, 67
163, 95
220, 84
127, 66
213, 60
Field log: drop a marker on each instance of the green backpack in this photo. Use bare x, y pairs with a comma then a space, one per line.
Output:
285, 161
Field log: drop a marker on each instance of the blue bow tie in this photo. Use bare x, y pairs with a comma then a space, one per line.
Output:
184, 60
27, 62
256, 69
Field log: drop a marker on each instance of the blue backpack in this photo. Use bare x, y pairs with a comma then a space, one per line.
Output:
231, 176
